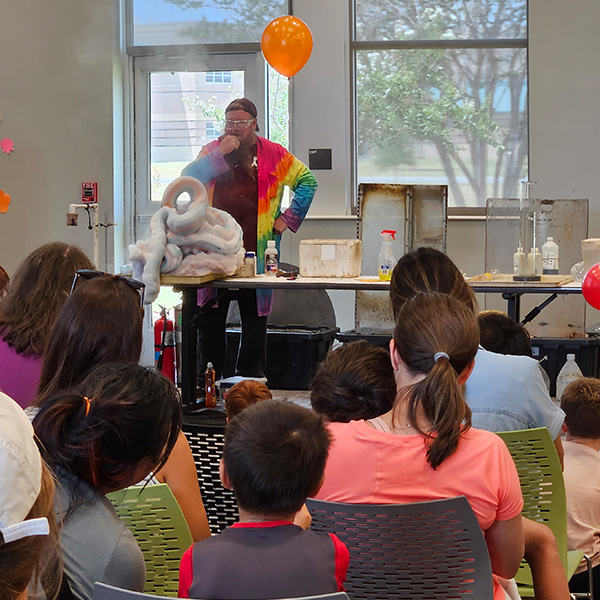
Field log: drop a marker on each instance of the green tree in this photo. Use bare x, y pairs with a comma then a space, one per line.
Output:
232, 20
446, 97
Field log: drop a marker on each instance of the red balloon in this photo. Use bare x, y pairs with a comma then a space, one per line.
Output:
590, 287
286, 44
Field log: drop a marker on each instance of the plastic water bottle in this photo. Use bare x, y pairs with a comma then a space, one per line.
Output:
210, 398
387, 261
271, 263
550, 257
570, 372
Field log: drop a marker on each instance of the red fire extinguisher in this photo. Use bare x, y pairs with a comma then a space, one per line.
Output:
164, 345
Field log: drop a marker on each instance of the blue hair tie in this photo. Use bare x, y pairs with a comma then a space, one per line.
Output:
439, 355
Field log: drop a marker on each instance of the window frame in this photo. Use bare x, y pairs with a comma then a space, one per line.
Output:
142, 67
355, 46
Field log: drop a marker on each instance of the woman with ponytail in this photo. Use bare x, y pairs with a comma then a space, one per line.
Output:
108, 433
424, 448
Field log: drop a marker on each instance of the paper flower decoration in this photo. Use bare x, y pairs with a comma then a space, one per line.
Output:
4, 201
7, 145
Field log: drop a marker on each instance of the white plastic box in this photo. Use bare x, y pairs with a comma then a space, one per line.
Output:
330, 258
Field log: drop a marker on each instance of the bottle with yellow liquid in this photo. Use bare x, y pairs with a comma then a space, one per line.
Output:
386, 257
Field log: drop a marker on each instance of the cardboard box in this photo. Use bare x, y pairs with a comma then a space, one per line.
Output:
330, 258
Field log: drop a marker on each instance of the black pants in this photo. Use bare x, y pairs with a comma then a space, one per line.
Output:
212, 336
579, 582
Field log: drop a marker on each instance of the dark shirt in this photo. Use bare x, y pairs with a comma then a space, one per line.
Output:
253, 561
236, 192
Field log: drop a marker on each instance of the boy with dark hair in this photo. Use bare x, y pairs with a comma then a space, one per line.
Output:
274, 458
499, 333
581, 404
355, 381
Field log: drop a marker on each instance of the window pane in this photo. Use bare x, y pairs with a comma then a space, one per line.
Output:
160, 22
279, 114
440, 19
444, 116
186, 113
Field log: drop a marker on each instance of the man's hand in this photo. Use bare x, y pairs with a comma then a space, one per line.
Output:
228, 144
279, 226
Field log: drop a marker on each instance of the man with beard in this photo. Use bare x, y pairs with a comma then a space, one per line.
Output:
245, 175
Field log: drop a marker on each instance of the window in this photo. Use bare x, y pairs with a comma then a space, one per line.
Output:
212, 131
180, 92
218, 77
181, 22
440, 94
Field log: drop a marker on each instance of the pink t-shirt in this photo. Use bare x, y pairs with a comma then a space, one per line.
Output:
367, 466
19, 374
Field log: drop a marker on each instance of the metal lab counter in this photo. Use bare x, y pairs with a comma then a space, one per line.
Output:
511, 291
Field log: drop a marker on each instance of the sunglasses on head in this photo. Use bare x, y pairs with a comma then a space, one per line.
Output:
87, 274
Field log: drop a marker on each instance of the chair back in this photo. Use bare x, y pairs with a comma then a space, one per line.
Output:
542, 485
206, 435
157, 523
434, 550
103, 591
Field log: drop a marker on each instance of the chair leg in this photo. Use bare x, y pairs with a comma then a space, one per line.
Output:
590, 593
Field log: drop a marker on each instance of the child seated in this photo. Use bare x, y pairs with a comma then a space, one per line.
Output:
581, 403
244, 394
274, 458
499, 333
355, 381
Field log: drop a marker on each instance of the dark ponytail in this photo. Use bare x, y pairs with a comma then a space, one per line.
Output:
122, 418
428, 325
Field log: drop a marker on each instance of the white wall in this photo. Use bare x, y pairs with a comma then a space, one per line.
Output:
57, 59
56, 105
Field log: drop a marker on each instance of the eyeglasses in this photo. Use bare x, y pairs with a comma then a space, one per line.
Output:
87, 274
243, 124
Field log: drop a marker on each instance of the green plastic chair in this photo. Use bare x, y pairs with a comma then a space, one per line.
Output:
543, 489
157, 523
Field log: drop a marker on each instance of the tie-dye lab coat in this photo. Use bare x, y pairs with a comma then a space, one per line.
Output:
277, 167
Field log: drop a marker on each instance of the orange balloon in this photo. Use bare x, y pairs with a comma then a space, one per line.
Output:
286, 44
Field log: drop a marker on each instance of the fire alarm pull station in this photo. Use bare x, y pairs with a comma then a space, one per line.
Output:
89, 192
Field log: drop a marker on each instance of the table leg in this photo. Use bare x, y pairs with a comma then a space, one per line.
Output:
189, 342
513, 310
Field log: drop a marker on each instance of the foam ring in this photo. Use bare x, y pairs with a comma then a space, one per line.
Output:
181, 185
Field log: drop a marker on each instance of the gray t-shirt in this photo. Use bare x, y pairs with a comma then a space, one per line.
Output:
95, 544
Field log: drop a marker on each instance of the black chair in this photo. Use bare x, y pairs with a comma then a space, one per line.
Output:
103, 591
426, 550
205, 432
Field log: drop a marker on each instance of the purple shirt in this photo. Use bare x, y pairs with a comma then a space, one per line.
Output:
19, 374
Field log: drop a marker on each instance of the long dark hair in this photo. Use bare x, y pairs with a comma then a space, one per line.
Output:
428, 324
101, 322
121, 418
36, 293
428, 270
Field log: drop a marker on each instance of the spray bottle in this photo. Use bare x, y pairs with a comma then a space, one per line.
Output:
386, 258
